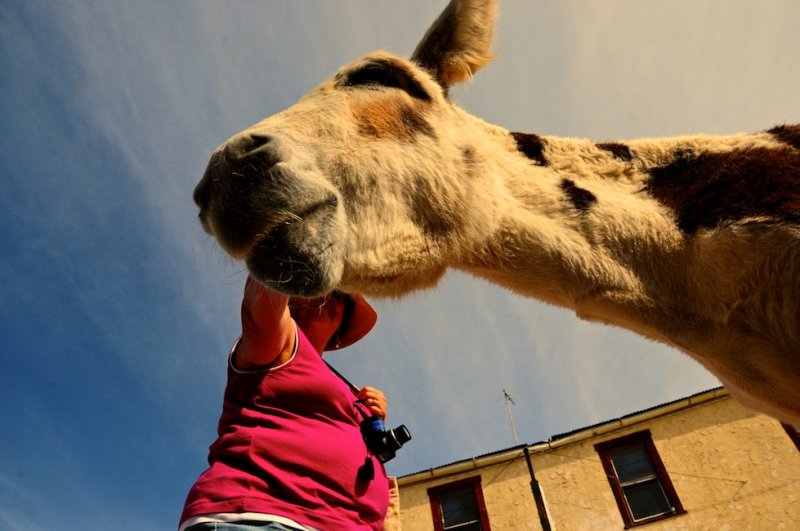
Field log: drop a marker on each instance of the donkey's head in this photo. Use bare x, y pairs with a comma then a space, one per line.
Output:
364, 183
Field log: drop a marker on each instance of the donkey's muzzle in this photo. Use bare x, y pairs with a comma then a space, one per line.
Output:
243, 158
238, 173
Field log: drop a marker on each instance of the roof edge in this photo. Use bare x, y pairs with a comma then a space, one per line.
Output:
567, 438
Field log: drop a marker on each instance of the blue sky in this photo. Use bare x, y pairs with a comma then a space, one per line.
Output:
117, 311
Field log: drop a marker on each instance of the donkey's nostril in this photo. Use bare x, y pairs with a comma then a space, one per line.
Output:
253, 148
245, 145
259, 140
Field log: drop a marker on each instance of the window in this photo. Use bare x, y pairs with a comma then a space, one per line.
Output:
638, 479
459, 506
794, 433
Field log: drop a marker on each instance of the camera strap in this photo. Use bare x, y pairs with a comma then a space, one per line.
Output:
366, 472
360, 407
352, 387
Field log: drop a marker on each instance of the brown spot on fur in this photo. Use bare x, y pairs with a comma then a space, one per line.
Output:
708, 189
581, 199
532, 146
414, 122
390, 117
468, 155
431, 213
619, 150
357, 187
468, 158
788, 134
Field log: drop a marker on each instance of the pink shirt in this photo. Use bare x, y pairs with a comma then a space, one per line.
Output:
290, 444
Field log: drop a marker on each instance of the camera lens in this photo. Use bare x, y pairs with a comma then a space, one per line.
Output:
400, 435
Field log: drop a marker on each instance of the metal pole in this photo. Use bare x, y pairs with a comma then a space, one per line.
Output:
544, 520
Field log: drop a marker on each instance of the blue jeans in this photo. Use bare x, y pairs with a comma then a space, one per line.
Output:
241, 526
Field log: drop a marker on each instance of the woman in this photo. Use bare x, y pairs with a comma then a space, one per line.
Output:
290, 453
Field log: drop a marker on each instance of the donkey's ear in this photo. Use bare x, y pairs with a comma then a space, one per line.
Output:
457, 45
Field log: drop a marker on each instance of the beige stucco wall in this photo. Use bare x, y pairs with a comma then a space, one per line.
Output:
732, 469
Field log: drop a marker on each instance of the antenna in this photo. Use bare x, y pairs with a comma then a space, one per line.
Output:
509, 401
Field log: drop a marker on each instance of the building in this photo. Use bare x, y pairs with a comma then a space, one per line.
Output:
703, 462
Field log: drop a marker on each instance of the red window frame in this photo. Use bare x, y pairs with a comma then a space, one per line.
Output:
435, 496
644, 440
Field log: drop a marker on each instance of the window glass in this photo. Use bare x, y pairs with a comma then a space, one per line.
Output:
632, 464
647, 499
459, 508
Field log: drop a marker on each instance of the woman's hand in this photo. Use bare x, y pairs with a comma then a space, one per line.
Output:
375, 401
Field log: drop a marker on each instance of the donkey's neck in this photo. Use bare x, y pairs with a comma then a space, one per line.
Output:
587, 226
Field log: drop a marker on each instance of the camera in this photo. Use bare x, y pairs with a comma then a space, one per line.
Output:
381, 442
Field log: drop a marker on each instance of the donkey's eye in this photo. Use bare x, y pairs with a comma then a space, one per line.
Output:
385, 75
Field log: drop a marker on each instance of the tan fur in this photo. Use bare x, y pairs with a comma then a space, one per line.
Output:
380, 118
379, 189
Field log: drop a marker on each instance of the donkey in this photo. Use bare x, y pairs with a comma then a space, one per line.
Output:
376, 182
